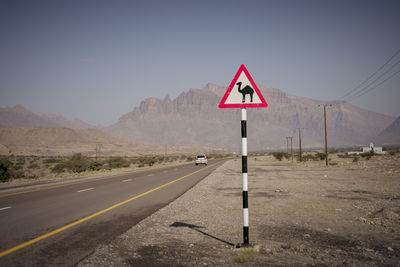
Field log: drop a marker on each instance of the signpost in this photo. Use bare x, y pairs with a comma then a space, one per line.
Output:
243, 93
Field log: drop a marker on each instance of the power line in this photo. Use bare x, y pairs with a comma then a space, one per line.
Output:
370, 89
356, 91
363, 82
365, 89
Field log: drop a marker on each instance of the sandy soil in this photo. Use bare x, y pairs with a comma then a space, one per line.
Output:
300, 214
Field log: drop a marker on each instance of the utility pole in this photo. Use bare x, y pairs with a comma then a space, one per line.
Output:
287, 146
300, 158
326, 135
326, 138
98, 151
291, 147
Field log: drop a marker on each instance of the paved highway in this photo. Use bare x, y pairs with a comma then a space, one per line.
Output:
62, 224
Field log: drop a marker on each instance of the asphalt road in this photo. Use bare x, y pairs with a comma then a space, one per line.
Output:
62, 224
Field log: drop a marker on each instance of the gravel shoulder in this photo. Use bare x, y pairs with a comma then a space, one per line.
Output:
299, 214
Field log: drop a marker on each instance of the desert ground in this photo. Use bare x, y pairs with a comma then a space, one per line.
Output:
300, 213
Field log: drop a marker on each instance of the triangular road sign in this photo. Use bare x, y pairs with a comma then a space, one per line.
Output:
243, 92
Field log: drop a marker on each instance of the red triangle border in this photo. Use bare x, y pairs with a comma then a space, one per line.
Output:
263, 103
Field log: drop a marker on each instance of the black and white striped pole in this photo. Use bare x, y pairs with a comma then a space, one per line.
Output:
243, 93
245, 182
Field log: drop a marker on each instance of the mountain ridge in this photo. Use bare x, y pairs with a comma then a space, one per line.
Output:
20, 116
390, 135
193, 118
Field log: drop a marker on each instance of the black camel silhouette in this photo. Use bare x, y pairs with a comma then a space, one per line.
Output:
246, 90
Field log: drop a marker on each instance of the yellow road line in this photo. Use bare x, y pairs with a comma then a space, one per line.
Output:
37, 239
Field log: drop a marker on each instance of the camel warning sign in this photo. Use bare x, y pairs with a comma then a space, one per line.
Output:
243, 92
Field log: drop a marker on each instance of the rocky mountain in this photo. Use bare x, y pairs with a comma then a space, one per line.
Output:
38, 140
20, 116
193, 118
390, 135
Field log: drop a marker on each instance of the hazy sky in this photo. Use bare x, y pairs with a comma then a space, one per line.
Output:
96, 60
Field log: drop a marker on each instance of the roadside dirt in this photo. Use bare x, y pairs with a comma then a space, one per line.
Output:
300, 214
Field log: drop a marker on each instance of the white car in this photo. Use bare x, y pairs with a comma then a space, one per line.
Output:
201, 159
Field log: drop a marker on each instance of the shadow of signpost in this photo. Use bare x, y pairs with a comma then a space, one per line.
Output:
196, 228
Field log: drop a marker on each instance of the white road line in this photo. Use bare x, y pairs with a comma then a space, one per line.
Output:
5, 208
83, 190
127, 180
150, 175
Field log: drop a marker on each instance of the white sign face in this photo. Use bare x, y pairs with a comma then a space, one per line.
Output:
243, 92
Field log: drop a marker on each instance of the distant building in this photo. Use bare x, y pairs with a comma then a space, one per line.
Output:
367, 149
